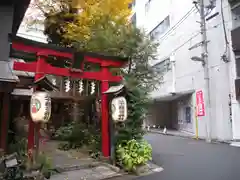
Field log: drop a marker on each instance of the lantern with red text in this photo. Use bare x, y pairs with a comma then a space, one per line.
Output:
40, 107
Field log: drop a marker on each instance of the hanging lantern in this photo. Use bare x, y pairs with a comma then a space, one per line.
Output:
119, 109
80, 86
40, 107
92, 87
67, 85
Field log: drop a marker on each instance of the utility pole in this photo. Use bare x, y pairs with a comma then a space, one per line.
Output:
206, 91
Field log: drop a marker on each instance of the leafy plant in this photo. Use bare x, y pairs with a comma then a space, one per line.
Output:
77, 135
133, 153
46, 164
64, 132
19, 145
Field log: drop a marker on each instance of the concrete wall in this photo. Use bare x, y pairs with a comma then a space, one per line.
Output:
189, 74
6, 18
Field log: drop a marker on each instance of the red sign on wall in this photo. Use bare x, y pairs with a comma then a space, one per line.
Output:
200, 103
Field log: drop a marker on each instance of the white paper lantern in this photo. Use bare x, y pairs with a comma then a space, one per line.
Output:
40, 107
119, 109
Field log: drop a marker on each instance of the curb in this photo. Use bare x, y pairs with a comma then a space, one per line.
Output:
86, 166
60, 169
112, 167
215, 141
116, 170
170, 134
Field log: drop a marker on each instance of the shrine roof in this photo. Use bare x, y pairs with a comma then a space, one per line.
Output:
74, 52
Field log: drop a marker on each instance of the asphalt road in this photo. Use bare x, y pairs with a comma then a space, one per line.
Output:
187, 159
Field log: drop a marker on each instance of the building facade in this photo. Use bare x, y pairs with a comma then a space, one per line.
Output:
11, 15
175, 25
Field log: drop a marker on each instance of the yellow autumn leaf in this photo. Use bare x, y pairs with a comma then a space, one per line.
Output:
91, 11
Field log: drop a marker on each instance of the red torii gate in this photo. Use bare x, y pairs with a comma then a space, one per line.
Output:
40, 67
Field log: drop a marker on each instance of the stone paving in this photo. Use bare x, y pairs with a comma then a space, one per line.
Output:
65, 159
96, 173
76, 165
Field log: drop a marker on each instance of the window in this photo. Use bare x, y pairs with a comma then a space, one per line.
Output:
163, 66
160, 29
188, 115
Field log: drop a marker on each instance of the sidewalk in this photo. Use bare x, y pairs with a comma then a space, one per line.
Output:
95, 173
77, 165
184, 135
172, 133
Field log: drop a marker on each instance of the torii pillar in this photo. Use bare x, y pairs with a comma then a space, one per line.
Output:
105, 114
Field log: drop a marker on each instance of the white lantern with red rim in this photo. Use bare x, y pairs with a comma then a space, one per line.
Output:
40, 107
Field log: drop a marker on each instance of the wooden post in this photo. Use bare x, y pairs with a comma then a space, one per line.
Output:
33, 129
5, 120
105, 118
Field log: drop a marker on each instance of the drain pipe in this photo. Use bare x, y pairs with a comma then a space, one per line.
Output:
173, 65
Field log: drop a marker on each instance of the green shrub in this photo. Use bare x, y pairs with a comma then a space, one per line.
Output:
19, 145
133, 153
64, 132
46, 163
77, 135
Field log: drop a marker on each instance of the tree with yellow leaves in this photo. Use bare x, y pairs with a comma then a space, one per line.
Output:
75, 19
103, 26
93, 12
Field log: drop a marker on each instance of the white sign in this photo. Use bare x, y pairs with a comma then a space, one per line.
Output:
40, 107
119, 109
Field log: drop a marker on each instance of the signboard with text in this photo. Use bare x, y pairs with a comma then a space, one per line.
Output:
200, 103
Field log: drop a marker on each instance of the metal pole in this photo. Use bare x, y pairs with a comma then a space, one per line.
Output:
196, 121
206, 72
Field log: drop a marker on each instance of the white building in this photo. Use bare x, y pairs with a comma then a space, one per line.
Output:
34, 33
175, 24
32, 26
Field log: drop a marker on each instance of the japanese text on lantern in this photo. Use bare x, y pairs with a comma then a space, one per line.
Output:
200, 103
